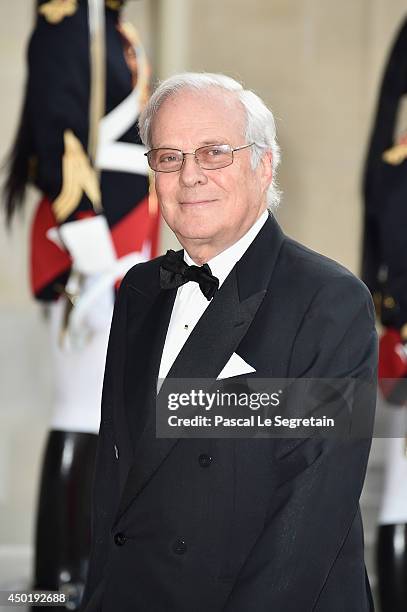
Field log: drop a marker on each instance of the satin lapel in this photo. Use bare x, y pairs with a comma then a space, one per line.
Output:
211, 343
230, 313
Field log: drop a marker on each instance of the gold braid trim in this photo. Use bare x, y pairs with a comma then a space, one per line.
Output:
136, 62
55, 11
115, 5
78, 176
97, 96
396, 155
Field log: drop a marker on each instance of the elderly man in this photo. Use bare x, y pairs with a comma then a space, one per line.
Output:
208, 524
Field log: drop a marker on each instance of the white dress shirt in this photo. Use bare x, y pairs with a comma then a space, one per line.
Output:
190, 303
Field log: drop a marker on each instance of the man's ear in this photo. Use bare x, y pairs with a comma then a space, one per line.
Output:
266, 169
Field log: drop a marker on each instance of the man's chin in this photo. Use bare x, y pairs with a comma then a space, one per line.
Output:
196, 229
194, 237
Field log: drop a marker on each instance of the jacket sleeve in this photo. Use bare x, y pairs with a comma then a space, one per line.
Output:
105, 494
319, 480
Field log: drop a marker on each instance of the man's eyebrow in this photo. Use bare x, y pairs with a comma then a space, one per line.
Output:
214, 141
164, 146
202, 143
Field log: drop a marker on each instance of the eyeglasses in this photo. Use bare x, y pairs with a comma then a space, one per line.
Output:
210, 157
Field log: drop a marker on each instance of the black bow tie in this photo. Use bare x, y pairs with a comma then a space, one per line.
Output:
174, 272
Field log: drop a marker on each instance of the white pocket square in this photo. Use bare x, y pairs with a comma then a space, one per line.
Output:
234, 367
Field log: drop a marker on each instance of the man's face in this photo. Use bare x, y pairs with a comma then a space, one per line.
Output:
211, 209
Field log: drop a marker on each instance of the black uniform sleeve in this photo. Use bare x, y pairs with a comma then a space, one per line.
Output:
384, 191
58, 96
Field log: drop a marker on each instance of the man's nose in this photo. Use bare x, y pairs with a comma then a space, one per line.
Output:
191, 173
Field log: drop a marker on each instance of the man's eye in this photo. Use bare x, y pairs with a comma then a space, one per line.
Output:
165, 159
215, 151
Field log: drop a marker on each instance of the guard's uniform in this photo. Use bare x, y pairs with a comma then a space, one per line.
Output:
58, 115
96, 218
86, 85
385, 272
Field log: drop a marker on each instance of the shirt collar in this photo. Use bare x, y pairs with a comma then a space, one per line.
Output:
222, 264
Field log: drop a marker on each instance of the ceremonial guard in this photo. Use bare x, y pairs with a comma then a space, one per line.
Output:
385, 272
78, 143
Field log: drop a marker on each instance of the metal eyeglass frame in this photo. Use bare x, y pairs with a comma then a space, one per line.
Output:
184, 153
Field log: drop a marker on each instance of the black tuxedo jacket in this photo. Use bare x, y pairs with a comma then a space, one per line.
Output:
238, 525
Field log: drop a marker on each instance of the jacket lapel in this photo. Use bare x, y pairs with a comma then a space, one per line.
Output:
208, 348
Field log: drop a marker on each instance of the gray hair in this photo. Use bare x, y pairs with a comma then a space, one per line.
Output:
260, 124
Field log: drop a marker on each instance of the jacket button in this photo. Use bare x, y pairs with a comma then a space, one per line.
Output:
179, 547
204, 460
119, 539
